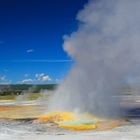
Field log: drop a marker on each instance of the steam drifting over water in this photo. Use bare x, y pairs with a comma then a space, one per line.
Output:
106, 50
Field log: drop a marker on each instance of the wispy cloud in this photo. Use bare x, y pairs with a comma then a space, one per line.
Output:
26, 75
39, 61
26, 81
30, 50
4, 80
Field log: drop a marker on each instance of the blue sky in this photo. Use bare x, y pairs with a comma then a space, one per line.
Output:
31, 39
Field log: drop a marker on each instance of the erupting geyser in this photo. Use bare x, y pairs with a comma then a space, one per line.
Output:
106, 50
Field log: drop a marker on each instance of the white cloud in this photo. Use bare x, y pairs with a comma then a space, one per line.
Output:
26, 81
46, 78
39, 77
42, 77
30, 50
26, 75
4, 80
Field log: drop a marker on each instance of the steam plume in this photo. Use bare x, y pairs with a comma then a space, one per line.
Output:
106, 50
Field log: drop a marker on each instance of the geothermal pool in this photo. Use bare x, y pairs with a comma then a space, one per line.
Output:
26, 129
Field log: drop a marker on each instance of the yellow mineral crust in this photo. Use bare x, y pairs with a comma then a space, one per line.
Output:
70, 120
66, 120
56, 117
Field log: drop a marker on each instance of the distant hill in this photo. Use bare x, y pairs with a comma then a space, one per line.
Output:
22, 88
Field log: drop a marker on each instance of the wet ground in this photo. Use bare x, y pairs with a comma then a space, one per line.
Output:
26, 129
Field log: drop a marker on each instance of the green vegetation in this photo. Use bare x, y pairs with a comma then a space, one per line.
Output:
34, 96
31, 96
8, 97
12, 90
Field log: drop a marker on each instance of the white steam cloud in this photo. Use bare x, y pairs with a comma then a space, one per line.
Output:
106, 50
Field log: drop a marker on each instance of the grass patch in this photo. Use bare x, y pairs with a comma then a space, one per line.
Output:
28, 96
8, 97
